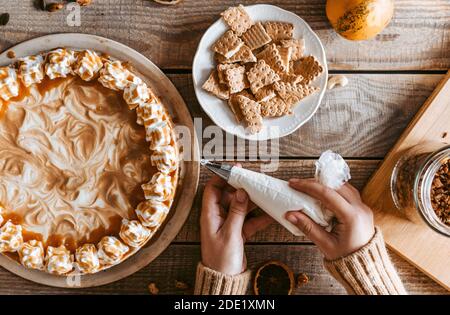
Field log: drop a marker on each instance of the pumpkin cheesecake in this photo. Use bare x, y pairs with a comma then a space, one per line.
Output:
88, 161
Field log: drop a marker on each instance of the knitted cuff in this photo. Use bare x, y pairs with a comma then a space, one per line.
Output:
369, 270
211, 282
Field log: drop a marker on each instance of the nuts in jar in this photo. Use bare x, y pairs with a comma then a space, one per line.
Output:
420, 184
440, 193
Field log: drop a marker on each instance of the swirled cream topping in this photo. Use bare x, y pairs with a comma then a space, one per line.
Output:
87, 258
160, 187
152, 213
31, 254
111, 250
72, 161
59, 260
9, 85
31, 69
10, 237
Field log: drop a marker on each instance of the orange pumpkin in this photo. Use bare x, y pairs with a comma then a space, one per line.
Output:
359, 19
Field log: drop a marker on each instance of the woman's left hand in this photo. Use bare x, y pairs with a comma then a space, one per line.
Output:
224, 227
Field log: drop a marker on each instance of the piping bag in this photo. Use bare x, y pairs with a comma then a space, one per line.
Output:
276, 197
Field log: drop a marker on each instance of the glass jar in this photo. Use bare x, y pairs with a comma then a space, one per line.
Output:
412, 182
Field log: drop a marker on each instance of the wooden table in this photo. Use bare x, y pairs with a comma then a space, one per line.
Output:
390, 78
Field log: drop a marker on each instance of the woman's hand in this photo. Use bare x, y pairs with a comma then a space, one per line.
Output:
354, 227
224, 228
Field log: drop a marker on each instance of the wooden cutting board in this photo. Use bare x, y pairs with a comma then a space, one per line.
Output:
408, 235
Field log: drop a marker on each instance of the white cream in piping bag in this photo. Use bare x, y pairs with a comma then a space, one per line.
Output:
276, 197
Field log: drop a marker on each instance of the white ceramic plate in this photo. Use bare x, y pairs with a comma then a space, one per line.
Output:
219, 111
189, 169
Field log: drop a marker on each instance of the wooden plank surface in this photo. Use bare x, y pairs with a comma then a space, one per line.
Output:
363, 119
178, 262
360, 171
417, 38
405, 231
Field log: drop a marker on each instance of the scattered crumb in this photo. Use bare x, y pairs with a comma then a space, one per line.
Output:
11, 54
181, 285
4, 18
153, 289
444, 135
302, 279
84, 3
53, 7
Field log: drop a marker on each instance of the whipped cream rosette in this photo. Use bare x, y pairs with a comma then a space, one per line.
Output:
136, 94
59, 63
152, 213
81, 109
2, 211
160, 187
9, 85
115, 76
10, 237
158, 134
134, 233
149, 112
111, 250
31, 69
87, 259
165, 159
58, 260
88, 65
31, 254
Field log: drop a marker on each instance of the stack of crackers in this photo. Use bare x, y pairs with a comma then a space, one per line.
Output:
261, 69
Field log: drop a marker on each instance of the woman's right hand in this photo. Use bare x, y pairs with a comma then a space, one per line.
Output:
354, 227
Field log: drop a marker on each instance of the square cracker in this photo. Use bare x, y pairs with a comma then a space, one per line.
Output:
308, 67
272, 56
213, 86
297, 47
279, 30
275, 107
221, 68
256, 36
291, 78
234, 105
244, 55
265, 93
251, 112
237, 19
293, 93
261, 75
236, 79
228, 45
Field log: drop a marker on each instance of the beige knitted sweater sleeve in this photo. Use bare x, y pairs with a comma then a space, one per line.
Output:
366, 271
